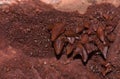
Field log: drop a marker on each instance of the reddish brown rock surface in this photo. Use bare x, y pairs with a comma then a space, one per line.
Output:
26, 50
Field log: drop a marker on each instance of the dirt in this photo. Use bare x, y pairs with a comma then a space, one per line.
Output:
26, 49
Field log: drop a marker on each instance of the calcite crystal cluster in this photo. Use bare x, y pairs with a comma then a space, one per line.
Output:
94, 33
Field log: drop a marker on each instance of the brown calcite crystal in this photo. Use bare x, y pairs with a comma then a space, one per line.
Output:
88, 33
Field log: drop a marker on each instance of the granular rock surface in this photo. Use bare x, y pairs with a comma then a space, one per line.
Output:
28, 49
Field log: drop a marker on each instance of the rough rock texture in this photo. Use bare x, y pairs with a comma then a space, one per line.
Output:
26, 50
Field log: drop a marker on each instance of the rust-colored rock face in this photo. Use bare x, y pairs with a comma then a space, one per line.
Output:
38, 42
